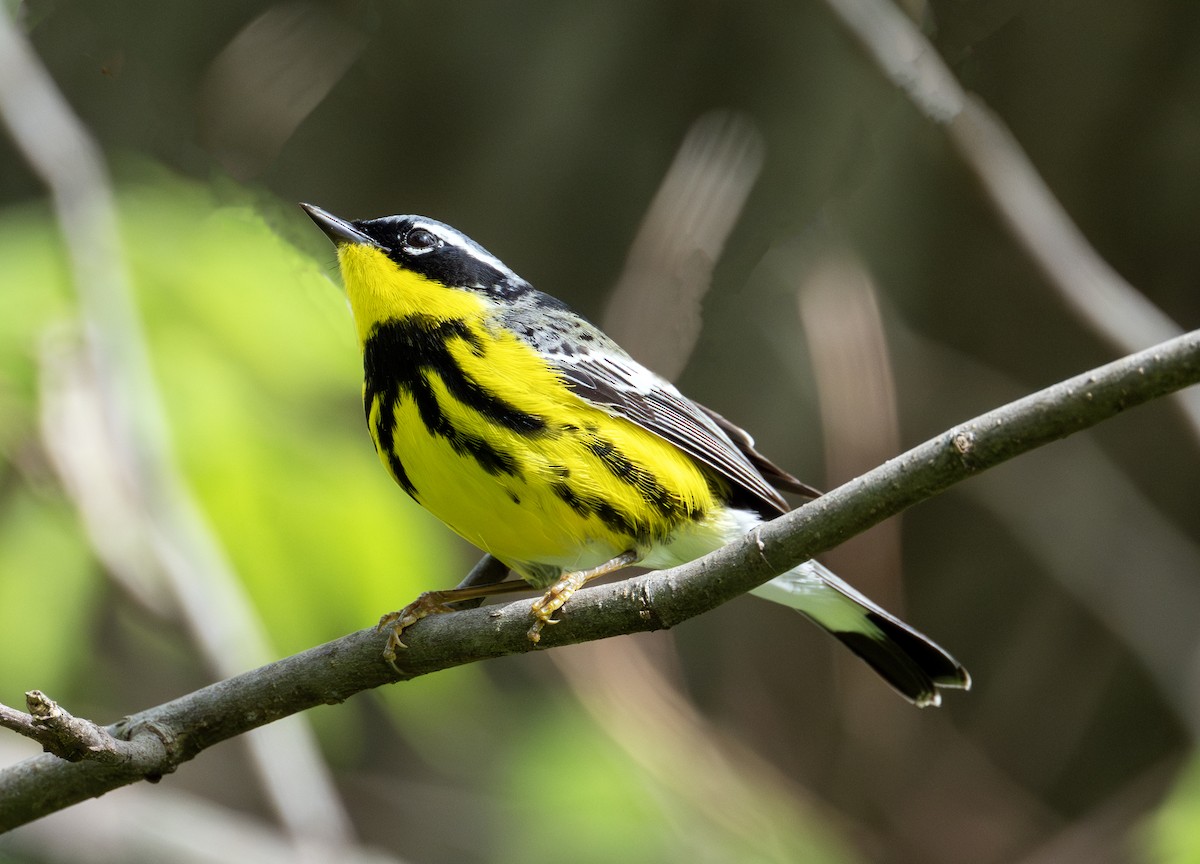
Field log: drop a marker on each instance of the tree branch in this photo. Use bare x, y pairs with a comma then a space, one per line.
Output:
333, 672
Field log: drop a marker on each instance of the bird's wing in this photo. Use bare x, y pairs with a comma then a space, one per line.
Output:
616, 382
773, 474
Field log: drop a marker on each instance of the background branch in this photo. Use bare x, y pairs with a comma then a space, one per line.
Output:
335, 671
107, 428
1029, 210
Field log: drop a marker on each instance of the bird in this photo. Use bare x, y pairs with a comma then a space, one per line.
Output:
536, 437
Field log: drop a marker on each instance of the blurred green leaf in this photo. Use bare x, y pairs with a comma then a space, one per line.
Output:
1173, 834
254, 353
48, 588
47, 579
571, 787
253, 349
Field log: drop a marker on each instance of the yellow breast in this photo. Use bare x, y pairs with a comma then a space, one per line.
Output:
530, 473
479, 429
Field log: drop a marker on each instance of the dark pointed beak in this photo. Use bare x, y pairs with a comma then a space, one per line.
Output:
338, 230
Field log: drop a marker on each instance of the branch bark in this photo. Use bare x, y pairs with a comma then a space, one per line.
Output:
69, 737
173, 733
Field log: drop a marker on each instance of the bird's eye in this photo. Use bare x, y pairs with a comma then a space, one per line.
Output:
420, 240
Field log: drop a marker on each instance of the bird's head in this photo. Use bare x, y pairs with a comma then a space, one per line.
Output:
397, 266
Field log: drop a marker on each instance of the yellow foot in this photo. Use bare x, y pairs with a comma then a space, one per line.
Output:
560, 592
429, 603
545, 606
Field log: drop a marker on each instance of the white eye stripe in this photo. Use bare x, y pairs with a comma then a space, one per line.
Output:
451, 237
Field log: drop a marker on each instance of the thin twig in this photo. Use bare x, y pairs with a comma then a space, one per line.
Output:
1102, 299
19, 722
335, 671
74, 738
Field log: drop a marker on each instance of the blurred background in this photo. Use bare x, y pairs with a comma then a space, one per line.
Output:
739, 194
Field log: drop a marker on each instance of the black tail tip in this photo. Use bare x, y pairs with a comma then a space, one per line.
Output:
915, 667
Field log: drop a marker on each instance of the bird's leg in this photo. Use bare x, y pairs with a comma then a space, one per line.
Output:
560, 592
488, 571
436, 603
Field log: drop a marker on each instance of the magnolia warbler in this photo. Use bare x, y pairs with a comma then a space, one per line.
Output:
534, 436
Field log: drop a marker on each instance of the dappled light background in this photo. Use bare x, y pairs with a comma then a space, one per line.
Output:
742, 197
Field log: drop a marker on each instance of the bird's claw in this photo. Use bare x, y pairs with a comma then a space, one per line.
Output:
429, 603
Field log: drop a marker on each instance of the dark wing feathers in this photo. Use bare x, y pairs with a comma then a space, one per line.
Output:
631, 391
774, 475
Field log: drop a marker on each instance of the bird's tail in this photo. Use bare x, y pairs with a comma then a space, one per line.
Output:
916, 667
